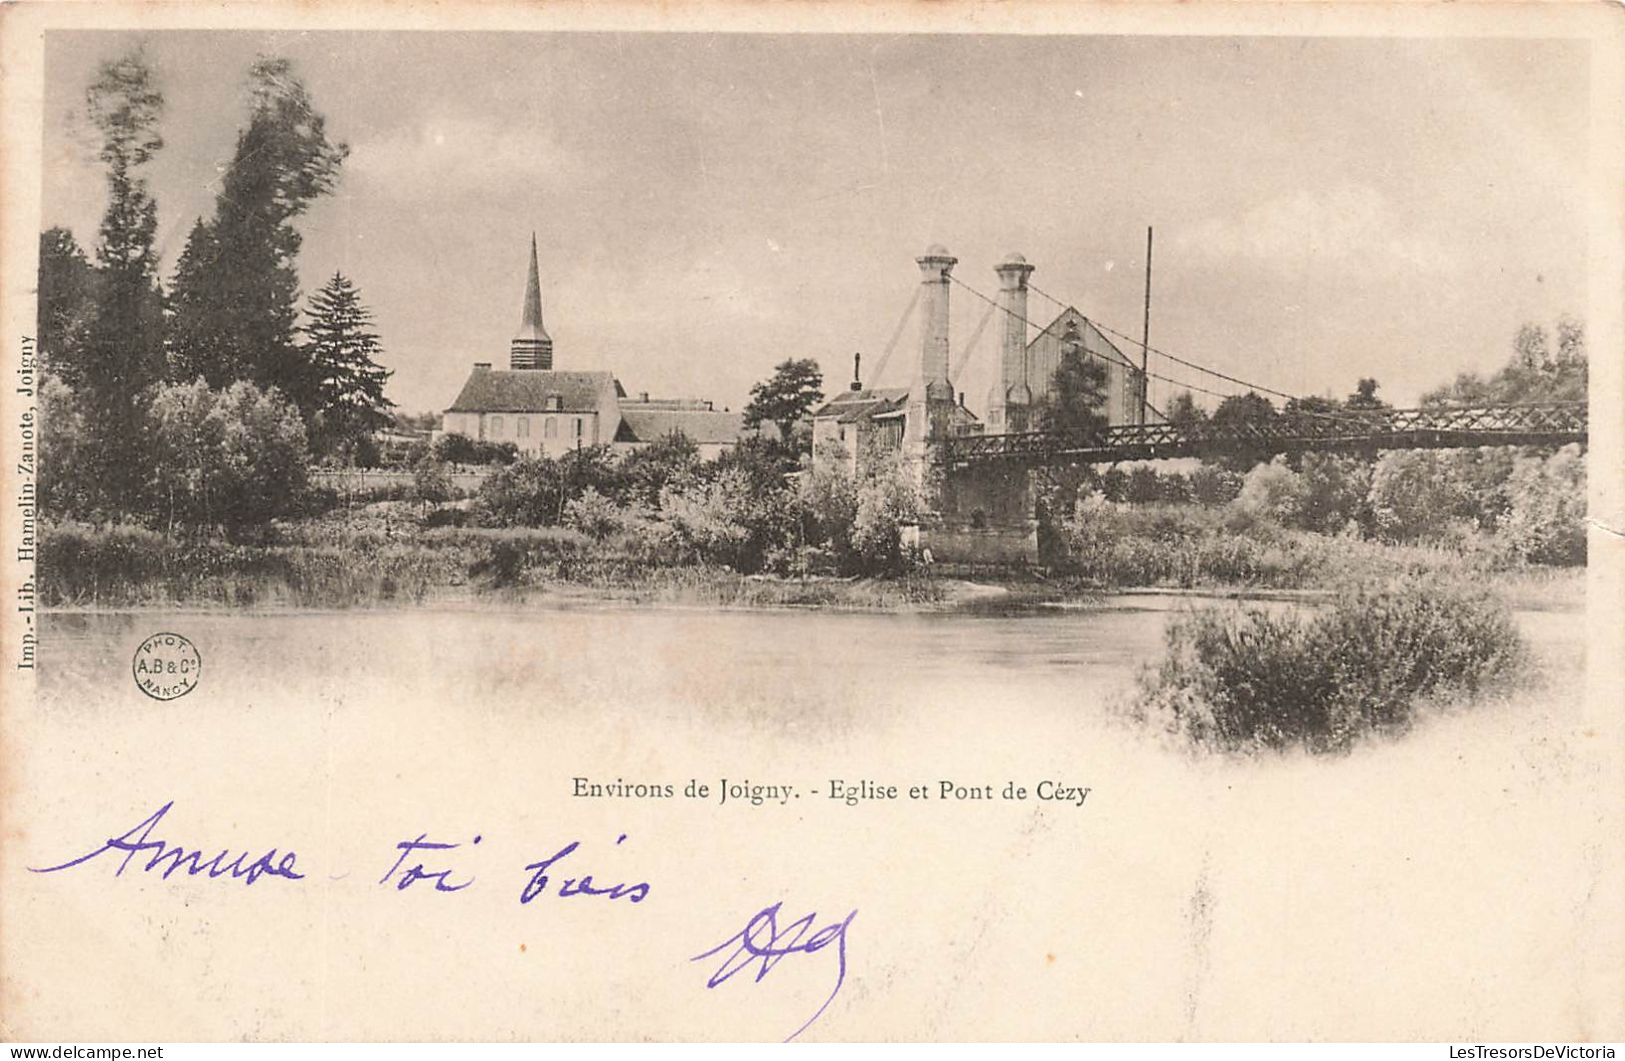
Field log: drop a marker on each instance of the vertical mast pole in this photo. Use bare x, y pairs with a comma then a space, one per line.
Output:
1145, 336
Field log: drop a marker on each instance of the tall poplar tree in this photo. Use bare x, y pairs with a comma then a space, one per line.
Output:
123, 344
343, 352
236, 300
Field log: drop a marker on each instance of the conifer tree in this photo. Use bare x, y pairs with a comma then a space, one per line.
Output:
197, 347
1077, 394
66, 290
349, 383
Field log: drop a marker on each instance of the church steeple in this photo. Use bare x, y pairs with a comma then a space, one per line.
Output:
532, 347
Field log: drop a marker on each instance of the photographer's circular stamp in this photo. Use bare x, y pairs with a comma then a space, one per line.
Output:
166, 666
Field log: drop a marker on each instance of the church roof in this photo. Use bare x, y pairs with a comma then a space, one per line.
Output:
530, 323
528, 391
1093, 339
699, 426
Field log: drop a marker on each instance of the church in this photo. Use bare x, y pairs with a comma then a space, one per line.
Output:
544, 411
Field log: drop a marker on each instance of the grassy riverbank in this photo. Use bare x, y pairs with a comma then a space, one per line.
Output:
330, 565
386, 557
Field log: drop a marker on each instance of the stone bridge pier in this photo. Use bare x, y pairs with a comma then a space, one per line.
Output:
982, 514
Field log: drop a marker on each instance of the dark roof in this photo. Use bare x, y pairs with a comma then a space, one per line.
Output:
849, 406
527, 391
640, 423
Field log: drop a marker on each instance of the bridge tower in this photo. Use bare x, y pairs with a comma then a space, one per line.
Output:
931, 393
1011, 397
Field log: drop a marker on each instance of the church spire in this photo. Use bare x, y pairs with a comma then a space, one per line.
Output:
532, 347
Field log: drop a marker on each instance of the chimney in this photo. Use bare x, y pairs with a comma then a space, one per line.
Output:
1012, 394
935, 266
857, 380
643, 396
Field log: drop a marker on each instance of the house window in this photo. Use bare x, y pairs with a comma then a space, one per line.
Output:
555, 403
524, 427
550, 428
578, 429
496, 427
843, 432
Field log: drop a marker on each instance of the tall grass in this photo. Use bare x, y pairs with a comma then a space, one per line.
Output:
1186, 546
1236, 679
338, 564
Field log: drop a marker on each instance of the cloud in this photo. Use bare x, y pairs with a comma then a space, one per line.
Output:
1346, 227
450, 155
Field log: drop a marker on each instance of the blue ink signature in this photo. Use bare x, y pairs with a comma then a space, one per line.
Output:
761, 938
134, 842
441, 877
634, 893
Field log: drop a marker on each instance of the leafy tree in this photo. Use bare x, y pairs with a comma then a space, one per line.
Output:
1240, 411
1365, 396
1571, 342
1533, 374
1076, 401
1244, 408
786, 397
887, 501
237, 294
232, 458
1183, 410
349, 381
65, 472
123, 341
648, 471
1530, 347
66, 302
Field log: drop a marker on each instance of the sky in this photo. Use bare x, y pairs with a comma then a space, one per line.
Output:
708, 205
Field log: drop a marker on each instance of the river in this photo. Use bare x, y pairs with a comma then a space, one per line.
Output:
1383, 893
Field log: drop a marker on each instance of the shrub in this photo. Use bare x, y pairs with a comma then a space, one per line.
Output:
1335, 489
703, 521
454, 448
431, 480
1240, 679
600, 518
886, 502
1415, 494
1545, 518
1213, 485
1273, 492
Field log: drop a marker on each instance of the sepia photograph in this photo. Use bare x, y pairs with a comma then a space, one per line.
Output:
990, 524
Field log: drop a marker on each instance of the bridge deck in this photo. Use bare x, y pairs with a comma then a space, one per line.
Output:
1448, 427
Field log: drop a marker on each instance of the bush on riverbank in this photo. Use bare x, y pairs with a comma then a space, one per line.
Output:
1246, 678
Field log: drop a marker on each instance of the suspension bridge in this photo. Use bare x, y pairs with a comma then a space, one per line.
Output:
982, 503
1442, 427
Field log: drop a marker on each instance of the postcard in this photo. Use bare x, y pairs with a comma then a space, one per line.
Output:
812, 522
